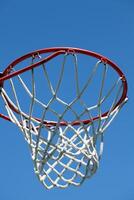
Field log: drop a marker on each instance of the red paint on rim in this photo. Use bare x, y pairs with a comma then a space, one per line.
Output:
55, 52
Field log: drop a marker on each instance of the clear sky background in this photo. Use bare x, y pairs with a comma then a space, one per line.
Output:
105, 26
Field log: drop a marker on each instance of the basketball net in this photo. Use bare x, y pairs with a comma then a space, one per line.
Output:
63, 153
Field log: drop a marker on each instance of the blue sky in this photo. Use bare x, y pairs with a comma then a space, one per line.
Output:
105, 26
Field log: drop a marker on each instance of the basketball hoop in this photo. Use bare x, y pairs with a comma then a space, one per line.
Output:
64, 127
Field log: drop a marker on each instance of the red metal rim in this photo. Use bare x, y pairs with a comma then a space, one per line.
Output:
55, 52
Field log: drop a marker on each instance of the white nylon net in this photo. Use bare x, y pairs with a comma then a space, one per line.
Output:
63, 155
